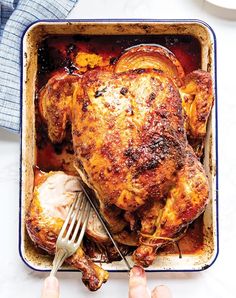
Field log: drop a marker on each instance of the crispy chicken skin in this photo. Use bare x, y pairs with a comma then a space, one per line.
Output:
197, 101
128, 135
184, 203
195, 88
45, 218
57, 111
131, 126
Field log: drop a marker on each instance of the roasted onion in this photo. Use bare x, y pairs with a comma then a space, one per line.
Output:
154, 57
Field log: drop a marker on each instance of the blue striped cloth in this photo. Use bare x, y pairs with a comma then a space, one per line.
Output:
15, 16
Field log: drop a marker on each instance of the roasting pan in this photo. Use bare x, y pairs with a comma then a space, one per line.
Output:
30, 41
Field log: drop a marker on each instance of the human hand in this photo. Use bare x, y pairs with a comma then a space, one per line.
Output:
138, 286
51, 288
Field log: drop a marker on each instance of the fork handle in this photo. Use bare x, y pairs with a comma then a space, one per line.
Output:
60, 256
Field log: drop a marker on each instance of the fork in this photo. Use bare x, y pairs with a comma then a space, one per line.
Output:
70, 238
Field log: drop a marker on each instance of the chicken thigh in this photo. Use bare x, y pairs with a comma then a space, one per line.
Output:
53, 194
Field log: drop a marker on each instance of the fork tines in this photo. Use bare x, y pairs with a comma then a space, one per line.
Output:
70, 238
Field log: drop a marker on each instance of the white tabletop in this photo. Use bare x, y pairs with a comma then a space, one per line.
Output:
16, 280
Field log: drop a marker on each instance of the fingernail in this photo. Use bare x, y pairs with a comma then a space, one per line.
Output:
137, 271
51, 283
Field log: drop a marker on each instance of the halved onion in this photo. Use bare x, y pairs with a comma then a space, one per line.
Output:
154, 57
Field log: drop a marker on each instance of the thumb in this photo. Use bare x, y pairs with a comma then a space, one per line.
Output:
138, 283
51, 288
161, 292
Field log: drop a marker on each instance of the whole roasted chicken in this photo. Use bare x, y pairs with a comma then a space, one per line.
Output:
138, 130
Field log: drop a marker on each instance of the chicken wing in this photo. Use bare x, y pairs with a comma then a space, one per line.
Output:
55, 104
197, 101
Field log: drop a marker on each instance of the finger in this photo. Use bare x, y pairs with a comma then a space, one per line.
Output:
50, 288
161, 292
138, 283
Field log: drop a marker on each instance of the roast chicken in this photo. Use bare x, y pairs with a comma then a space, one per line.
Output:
138, 130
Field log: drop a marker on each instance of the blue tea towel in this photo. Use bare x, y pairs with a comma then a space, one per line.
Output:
15, 16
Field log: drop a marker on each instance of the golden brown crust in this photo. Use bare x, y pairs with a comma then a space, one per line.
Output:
197, 101
185, 202
93, 276
55, 104
128, 135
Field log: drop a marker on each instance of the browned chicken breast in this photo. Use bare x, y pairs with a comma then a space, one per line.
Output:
128, 135
131, 129
195, 88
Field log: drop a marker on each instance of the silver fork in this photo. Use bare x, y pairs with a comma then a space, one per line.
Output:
70, 238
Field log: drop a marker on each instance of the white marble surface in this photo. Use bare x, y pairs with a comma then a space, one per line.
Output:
16, 280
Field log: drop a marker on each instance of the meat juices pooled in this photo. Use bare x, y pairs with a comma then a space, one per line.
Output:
131, 128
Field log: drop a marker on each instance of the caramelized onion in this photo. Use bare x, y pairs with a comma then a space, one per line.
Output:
151, 56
